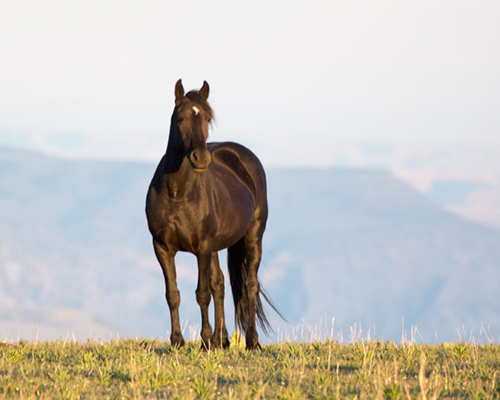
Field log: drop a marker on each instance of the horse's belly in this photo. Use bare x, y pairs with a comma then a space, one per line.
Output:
233, 221
223, 241
218, 229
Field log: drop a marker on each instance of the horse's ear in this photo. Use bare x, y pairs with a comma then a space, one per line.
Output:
205, 90
179, 92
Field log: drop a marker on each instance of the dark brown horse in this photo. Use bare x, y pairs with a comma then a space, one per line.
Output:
205, 197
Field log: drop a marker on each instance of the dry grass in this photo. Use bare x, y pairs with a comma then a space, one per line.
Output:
321, 369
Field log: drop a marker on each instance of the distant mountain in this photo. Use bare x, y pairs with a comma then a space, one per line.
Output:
365, 248
359, 246
73, 235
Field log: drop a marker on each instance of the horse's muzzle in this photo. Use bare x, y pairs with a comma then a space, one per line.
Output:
200, 159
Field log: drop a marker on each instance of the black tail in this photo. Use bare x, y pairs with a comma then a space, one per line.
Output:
237, 266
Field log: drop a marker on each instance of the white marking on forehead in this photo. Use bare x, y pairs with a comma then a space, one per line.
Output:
196, 110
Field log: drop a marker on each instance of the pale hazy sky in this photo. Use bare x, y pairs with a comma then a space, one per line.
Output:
96, 78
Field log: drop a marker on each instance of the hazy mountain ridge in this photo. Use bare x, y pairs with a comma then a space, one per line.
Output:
382, 252
71, 236
357, 245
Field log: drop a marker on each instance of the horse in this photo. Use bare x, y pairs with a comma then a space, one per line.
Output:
203, 198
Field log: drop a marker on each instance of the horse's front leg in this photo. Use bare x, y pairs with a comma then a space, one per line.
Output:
217, 287
203, 294
172, 294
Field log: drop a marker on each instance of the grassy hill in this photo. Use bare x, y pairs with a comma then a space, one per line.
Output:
145, 369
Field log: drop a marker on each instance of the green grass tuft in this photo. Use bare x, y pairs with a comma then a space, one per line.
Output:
149, 369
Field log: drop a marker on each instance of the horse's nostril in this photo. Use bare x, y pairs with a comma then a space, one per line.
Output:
200, 159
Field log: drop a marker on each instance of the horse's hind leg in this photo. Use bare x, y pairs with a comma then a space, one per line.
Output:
217, 287
172, 293
253, 243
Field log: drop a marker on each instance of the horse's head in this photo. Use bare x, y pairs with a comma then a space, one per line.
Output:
190, 121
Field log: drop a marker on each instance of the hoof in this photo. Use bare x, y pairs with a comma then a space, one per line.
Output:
206, 345
177, 341
213, 343
220, 344
255, 347
220, 341
252, 342
207, 340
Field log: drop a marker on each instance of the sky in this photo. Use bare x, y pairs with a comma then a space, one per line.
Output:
293, 80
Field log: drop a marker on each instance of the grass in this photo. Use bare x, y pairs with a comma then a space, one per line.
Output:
323, 369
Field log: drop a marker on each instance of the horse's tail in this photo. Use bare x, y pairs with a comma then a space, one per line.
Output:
237, 266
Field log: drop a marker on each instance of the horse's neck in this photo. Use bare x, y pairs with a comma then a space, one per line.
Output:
174, 159
177, 173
